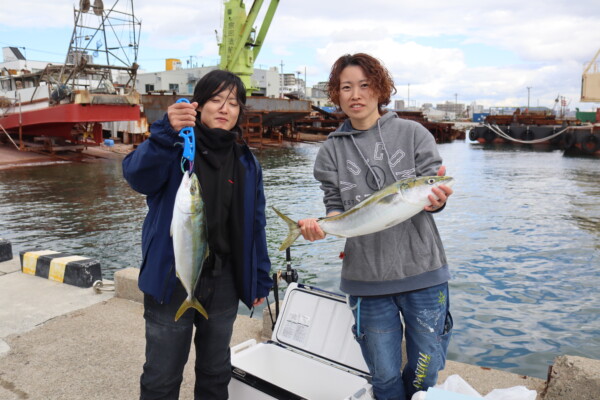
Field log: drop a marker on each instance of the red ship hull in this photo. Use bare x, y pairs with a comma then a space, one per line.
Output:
59, 120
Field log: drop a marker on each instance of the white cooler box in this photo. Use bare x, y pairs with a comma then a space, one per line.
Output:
312, 353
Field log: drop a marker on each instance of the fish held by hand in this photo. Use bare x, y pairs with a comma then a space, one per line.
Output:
190, 244
383, 209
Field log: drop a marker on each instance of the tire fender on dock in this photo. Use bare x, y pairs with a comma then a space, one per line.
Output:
590, 143
473, 135
489, 135
568, 139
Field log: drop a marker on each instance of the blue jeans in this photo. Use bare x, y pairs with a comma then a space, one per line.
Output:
168, 342
379, 330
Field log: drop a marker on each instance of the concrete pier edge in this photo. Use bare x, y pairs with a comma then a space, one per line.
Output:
585, 372
101, 336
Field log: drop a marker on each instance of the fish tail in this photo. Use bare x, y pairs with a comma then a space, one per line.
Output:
194, 303
292, 226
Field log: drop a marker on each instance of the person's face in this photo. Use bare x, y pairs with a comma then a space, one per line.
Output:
221, 110
357, 99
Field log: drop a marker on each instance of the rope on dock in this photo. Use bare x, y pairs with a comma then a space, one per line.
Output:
100, 287
496, 129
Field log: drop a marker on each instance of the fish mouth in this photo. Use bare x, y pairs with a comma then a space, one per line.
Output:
449, 181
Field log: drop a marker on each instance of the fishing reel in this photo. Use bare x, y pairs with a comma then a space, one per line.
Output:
289, 275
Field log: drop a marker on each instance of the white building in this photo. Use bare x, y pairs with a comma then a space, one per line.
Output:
475, 108
16, 63
434, 114
183, 81
451, 107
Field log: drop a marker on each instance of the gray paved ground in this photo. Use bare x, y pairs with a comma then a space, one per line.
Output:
68, 343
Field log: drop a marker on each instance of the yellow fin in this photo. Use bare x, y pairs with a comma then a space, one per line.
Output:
191, 304
294, 230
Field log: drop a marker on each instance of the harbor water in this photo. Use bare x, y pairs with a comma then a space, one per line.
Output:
522, 235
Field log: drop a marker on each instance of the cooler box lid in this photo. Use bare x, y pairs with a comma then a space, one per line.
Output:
319, 323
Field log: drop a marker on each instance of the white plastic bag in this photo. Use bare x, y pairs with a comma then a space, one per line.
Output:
456, 384
513, 393
420, 395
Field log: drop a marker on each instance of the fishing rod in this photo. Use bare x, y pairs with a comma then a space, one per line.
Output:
289, 275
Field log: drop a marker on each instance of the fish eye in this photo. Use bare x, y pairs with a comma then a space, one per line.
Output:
431, 181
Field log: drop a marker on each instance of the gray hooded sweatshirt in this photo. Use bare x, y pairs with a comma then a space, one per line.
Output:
351, 165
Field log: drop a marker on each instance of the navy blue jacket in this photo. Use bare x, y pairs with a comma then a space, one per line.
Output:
154, 169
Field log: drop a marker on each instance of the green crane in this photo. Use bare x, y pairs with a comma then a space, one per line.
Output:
240, 45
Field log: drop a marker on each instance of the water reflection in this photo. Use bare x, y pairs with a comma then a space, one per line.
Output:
522, 234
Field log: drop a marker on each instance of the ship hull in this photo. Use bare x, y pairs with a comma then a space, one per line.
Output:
60, 120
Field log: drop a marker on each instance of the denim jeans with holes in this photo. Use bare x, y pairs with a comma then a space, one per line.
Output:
379, 330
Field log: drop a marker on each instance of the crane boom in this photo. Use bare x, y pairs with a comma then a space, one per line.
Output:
240, 45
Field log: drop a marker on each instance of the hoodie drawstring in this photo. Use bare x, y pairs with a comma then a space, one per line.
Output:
389, 162
376, 177
366, 161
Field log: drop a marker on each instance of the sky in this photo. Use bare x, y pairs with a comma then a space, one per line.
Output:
488, 52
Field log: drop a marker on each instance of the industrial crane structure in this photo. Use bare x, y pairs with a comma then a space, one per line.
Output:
240, 45
590, 81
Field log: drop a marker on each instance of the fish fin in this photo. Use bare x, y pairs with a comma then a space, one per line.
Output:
389, 198
198, 306
183, 308
292, 226
191, 304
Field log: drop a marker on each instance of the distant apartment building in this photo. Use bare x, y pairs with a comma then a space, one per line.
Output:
451, 107
474, 109
293, 85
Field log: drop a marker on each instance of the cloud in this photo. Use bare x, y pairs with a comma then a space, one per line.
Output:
485, 52
35, 14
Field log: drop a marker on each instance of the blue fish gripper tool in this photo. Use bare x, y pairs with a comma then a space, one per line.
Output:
189, 143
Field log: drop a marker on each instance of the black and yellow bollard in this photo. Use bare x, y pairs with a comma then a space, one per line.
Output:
5, 250
61, 267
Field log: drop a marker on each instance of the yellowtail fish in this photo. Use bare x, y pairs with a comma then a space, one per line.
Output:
190, 244
383, 209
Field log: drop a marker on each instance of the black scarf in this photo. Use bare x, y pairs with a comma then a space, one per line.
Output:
221, 175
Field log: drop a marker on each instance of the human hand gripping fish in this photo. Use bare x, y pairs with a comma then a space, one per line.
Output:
383, 209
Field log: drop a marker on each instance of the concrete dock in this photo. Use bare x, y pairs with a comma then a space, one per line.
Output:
59, 341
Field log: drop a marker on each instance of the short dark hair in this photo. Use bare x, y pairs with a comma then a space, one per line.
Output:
379, 77
218, 81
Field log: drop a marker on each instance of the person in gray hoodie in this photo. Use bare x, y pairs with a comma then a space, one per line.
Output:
396, 279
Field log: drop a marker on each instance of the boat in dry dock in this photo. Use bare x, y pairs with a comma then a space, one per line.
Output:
67, 104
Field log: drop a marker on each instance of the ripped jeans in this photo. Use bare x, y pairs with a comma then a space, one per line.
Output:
379, 330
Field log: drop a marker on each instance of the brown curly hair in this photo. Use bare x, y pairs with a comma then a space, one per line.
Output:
380, 80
